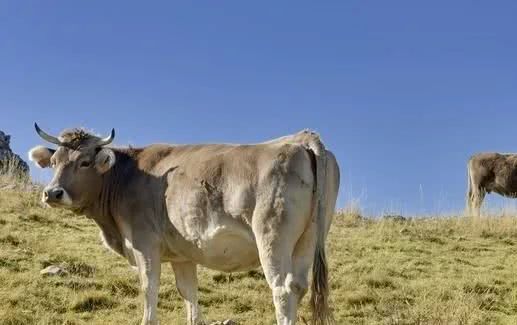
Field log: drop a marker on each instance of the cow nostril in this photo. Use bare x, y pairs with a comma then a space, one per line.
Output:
45, 195
59, 194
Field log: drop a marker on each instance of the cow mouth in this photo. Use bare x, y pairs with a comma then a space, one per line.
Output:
75, 208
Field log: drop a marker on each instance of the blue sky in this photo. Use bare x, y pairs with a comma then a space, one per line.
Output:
402, 91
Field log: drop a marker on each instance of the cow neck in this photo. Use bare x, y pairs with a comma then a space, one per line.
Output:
113, 198
104, 210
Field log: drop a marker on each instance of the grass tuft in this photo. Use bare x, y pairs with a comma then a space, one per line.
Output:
360, 299
91, 302
10, 240
10, 317
123, 288
379, 282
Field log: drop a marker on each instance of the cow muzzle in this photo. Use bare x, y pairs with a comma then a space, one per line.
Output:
56, 195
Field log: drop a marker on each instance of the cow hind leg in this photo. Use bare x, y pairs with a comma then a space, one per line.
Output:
285, 271
303, 258
477, 196
468, 205
277, 265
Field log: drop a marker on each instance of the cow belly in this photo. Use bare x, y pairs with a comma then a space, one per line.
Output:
222, 242
225, 249
216, 226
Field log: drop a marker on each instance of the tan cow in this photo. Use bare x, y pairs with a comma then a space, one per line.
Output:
490, 172
226, 207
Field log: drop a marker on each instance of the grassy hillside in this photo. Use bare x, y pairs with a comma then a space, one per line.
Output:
433, 271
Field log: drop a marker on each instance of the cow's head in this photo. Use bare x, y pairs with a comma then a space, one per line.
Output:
79, 162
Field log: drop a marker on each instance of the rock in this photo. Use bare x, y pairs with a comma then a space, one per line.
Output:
5, 140
226, 322
53, 270
8, 159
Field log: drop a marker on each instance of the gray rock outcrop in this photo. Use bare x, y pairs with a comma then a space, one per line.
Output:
9, 161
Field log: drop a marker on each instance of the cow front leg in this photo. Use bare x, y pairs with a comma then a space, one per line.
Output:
148, 263
186, 282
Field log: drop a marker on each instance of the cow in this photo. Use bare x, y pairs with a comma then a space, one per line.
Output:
490, 172
226, 207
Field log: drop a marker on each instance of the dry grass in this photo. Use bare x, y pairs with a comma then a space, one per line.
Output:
424, 271
12, 176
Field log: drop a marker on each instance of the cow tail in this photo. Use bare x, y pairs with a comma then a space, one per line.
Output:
321, 312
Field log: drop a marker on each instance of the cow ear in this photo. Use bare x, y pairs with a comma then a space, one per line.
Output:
104, 160
41, 156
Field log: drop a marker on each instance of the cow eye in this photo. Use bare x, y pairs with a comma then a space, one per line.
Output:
85, 164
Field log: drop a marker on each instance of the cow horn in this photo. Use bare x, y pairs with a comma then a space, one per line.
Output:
107, 140
45, 136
